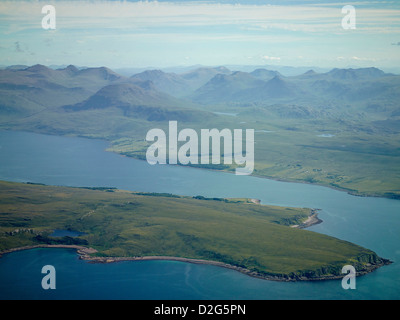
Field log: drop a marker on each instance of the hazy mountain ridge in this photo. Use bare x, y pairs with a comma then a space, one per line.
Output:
344, 91
180, 85
38, 87
27, 90
264, 74
137, 101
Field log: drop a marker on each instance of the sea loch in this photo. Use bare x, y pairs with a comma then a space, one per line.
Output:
370, 222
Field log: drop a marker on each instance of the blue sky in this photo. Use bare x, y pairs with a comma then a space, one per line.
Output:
121, 34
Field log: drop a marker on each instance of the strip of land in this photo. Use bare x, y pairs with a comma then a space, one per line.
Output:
310, 221
86, 254
119, 225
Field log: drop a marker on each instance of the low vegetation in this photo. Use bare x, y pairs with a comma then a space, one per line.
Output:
238, 232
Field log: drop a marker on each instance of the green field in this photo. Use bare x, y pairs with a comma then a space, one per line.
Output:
328, 153
127, 224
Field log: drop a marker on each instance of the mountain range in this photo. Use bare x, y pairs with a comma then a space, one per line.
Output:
155, 95
25, 92
348, 85
180, 85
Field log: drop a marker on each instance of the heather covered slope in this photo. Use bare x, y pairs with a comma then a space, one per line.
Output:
256, 238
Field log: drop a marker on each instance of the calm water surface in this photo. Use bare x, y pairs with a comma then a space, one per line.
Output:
26, 157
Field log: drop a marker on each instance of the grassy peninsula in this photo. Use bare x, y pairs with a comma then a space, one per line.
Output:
259, 240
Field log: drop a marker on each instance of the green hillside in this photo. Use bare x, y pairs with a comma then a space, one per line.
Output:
127, 224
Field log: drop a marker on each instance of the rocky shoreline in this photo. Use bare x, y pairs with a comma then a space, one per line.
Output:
85, 253
325, 273
311, 220
82, 251
306, 276
365, 265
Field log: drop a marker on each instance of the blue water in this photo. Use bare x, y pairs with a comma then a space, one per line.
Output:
77, 279
66, 233
25, 157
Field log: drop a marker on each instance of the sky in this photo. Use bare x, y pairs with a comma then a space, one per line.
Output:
123, 34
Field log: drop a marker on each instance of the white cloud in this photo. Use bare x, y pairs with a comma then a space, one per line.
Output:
208, 33
136, 15
271, 58
362, 59
356, 59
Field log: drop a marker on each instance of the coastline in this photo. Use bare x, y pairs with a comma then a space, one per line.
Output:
310, 221
351, 192
84, 253
108, 148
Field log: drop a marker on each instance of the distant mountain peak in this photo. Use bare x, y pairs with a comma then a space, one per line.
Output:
17, 67
278, 87
154, 71
38, 68
206, 72
150, 75
234, 77
310, 72
360, 73
102, 72
222, 69
239, 74
218, 78
107, 70
264, 74
277, 79
71, 69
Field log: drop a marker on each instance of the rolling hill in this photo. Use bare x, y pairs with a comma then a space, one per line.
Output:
344, 89
26, 91
139, 101
180, 85
91, 101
